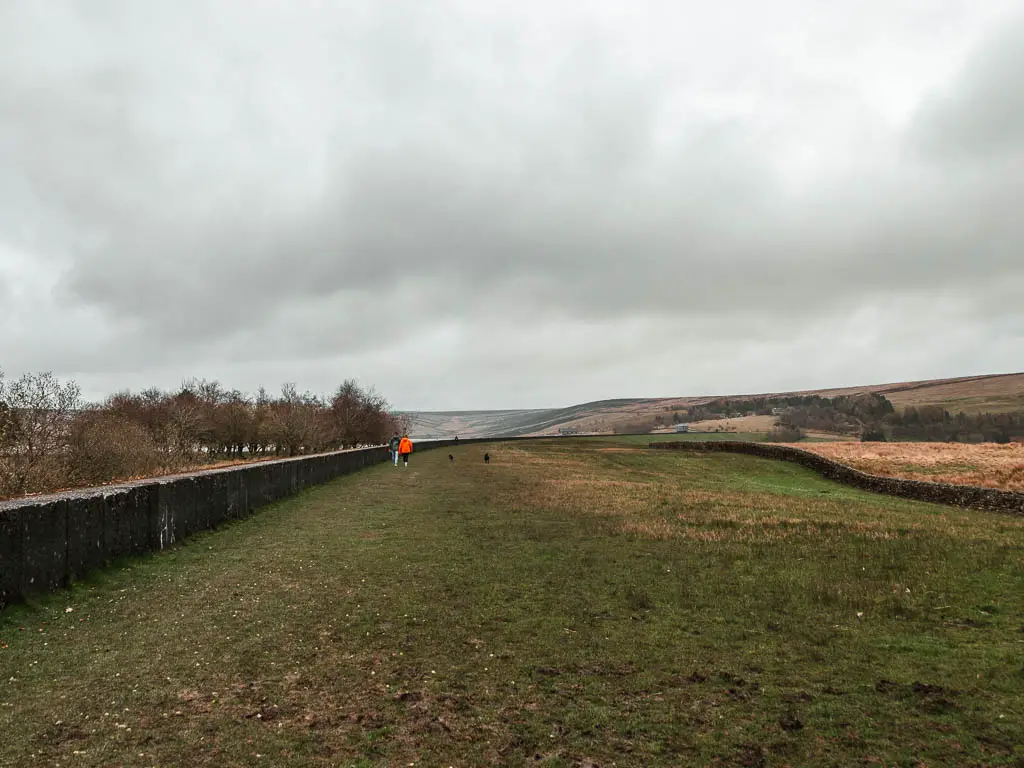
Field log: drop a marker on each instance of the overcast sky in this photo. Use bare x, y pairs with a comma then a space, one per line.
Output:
491, 204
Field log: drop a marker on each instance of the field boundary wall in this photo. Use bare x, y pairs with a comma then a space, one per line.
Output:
970, 496
48, 542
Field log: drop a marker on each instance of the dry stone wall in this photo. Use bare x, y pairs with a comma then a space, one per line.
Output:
47, 542
973, 497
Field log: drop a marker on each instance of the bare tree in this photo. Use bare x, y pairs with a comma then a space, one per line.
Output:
347, 413
49, 440
104, 445
232, 424
185, 421
296, 422
38, 412
6, 416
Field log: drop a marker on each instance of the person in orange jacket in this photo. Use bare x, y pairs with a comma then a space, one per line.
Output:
404, 449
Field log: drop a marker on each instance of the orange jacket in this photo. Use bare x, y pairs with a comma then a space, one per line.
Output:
405, 446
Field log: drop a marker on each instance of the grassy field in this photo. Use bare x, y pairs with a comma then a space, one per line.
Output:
642, 441
746, 437
574, 603
986, 464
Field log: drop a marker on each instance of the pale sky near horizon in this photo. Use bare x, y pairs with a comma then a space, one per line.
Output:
469, 204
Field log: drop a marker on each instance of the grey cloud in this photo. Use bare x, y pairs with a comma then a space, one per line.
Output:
981, 115
218, 187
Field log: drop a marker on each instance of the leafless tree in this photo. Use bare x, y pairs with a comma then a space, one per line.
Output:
38, 412
49, 440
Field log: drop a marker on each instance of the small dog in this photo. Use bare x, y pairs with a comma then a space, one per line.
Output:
451, 459
487, 458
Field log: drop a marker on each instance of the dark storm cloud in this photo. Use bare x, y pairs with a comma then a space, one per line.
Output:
265, 188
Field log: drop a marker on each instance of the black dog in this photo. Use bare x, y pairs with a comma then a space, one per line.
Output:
487, 458
451, 458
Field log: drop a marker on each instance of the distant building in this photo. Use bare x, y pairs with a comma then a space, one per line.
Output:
568, 431
682, 427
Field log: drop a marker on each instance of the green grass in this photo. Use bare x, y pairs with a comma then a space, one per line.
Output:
576, 602
644, 440
746, 437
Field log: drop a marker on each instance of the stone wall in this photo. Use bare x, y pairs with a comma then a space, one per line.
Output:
46, 542
974, 497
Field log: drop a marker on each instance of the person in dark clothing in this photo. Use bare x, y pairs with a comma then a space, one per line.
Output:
487, 458
393, 444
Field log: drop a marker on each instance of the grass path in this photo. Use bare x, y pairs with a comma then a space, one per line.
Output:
573, 604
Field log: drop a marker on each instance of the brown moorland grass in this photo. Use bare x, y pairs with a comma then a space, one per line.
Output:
992, 394
738, 424
971, 394
565, 605
986, 464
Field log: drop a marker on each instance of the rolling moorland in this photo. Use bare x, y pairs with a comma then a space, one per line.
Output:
996, 393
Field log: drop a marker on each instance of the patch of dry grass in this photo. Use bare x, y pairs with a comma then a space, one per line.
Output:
738, 424
985, 464
650, 501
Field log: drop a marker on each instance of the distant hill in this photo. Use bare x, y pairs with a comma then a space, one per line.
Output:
508, 423
970, 394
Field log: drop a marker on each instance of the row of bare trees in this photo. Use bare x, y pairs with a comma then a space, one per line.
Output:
50, 439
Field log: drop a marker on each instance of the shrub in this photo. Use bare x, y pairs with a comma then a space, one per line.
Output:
105, 447
641, 427
873, 434
784, 433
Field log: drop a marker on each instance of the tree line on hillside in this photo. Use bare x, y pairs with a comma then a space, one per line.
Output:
50, 439
873, 418
870, 416
844, 415
842, 410
937, 424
